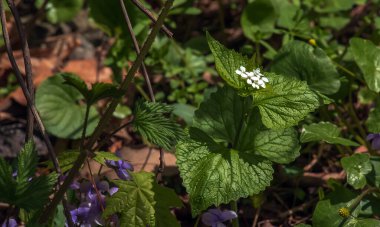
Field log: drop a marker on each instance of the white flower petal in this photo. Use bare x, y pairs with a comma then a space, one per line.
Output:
250, 74
260, 82
264, 79
238, 72
242, 68
263, 85
255, 78
249, 81
244, 75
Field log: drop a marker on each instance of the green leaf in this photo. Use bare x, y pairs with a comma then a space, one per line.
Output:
311, 64
78, 83
165, 199
366, 96
285, 102
184, 111
279, 146
61, 111
61, 11
150, 122
214, 175
134, 201
324, 131
227, 62
37, 192
258, 20
373, 121
7, 183
326, 212
101, 91
27, 162
102, 156
66, 160
367, 57
366, 222
357, 167
374, 176
222, 116
143, 202
122, 111
98, 91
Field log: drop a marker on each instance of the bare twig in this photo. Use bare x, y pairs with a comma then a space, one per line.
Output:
137, 49
107, 115
151, 17
28, 66
257, 214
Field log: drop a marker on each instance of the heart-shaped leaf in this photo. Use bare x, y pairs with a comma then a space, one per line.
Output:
357, 167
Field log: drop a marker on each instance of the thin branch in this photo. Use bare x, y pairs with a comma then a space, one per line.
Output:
28, 66
151, 17
27, 95
104, 121
137, 49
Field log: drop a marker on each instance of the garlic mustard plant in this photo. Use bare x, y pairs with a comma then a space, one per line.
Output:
254, 78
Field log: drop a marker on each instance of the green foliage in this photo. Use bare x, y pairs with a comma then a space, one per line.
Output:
369, 62
61, 110
150, 121
227, 154
258, 20
66, 160
373, 120
184, 111
285, 102
26, 192
61, 11
357, 167
327, 210
324, 131
374, 176
98, 91
101, 157
311, 64
141, 202
227, 62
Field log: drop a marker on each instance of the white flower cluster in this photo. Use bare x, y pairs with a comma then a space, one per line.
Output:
254, 78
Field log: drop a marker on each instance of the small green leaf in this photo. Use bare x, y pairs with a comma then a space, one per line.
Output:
258, 20
326, 212
7, 183
61, 11
357, 167
324, 131
362, 222
78, 83
311, 64
66, 160
61, 111
102, 90
373, 121
184, 111
214, 175
134, 201
227, 62
37, 192
279, 146
366, 96
374, 176
27, 162
150, 121
122, 111
285, 102
102, 156
142, 202
367, 57
165, 199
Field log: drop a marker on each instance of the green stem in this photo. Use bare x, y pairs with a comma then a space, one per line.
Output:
197, 221
235, 221
258, 57
360, 197
84, 127
104, 121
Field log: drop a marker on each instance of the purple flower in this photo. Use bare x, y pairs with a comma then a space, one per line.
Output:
11, 223
375, 138
121, 168
216, 217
